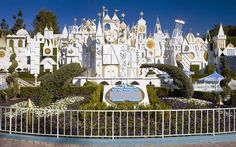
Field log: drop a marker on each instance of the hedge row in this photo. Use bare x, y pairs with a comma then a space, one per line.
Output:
166, 92
26, 92
75, 90
208, 96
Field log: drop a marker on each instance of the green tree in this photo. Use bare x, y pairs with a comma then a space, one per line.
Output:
45, 18
19, 23
3, 25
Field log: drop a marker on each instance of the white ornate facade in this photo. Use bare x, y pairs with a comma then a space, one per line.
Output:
109, 48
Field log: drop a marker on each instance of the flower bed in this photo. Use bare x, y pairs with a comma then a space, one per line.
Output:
186, 103
61, 104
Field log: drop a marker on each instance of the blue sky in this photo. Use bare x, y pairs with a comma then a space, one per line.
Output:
199, 15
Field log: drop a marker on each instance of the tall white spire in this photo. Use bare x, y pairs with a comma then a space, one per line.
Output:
46, 28
221, 31
65, 32
99, 29
157, 26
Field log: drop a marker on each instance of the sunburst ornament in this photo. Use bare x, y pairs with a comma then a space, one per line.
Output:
150, 43
2, 54
47, 51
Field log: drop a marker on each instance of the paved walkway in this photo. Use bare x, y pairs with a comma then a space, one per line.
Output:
227, 140
21, 143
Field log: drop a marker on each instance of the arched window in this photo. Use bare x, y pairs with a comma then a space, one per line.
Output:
20, 43
11, 43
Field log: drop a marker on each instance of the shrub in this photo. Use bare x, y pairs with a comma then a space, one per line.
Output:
210, 69
152, 94
25, 75
13, 56
13, 66
89, 83
179, 64
29, 92
233, 99
45, 99
11, 78
194, 68
177, 74
6, 94
75, 90
163, 92
208, 96
195, 77
52, 82
15, 89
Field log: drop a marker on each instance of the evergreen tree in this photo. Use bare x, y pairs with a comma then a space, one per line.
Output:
19, 22
4, 25
45, 18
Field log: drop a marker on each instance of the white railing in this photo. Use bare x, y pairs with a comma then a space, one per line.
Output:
117, 123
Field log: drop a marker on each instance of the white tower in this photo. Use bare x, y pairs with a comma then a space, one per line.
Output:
220, 39
99, 42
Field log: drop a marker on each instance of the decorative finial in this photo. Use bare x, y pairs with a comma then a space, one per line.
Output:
99, 15
123, 16
106, 10
115, 11
75, 21
141, 14
190, 30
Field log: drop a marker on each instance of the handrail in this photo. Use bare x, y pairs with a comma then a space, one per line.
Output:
117, 123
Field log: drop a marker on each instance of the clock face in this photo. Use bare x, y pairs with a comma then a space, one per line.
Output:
47, 51
141, 28
111, 35
2, 54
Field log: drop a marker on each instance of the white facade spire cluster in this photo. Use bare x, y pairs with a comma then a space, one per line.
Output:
109, 47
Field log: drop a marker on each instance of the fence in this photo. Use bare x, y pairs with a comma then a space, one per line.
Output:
117, 123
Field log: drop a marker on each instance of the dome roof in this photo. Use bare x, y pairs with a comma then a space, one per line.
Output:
230, 45
123, 26
190, 37
22, 32
141, 21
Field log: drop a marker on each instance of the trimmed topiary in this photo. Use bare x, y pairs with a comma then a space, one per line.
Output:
178, 76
